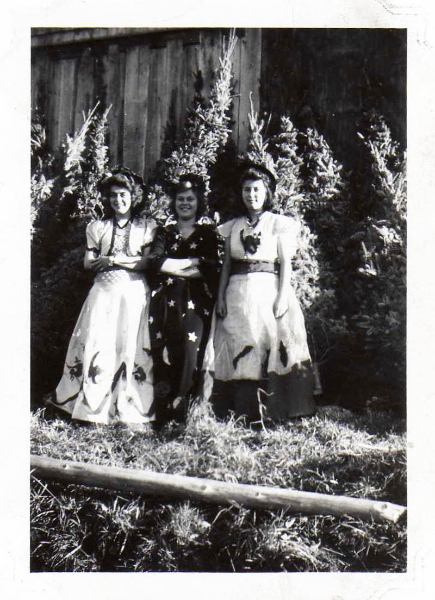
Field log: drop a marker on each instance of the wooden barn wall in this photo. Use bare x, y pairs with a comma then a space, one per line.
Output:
327, 77
317, 76
148, 80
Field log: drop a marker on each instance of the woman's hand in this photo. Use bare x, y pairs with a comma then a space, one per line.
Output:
280, 306
221, 308
179, 267
182, 263
101, 264
188, 264
194, 262
191, 273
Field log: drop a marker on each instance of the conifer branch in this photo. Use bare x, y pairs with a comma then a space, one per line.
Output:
205, 134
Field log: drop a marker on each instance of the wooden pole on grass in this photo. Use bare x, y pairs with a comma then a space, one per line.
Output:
210, 490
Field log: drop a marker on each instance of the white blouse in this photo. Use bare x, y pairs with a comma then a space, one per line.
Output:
99, 235
267, 230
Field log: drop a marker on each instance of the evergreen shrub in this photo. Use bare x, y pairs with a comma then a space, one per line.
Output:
374, 274
64, 199
349, 271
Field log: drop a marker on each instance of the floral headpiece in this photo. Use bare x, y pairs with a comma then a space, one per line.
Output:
248, 165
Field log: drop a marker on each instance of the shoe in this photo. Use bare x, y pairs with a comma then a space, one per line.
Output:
178, 409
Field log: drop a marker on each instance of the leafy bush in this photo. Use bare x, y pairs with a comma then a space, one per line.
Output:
61, 211
312, 278
65, 198
41, 182
204, 136
375, 270
310, 190
349, 270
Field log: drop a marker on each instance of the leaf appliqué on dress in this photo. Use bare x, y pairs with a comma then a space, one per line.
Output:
75, 370
94, 370
70, 399
139, 374
250, 242
283, 354
121, 372
265, 364
246, 350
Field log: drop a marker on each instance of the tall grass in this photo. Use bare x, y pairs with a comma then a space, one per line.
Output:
81, 529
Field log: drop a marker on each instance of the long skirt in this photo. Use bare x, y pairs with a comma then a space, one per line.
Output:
261, 365
108, 375
179, 328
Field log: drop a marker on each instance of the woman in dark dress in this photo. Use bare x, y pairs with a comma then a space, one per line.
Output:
184, 256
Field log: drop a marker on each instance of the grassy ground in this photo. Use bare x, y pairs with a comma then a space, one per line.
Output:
74, 528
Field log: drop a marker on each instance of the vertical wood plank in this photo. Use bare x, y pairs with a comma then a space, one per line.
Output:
164, 102
151, 133
158, 107
53, 104
191, 62
63, 97
113, 63
143, 98
186, 63
183, 89
237, 74
175, 77
135, 107
85, 100
40, 77
50, 101
250, 69
36, 81
209, 52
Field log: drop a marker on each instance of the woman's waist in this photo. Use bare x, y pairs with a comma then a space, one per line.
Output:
190, 285
114, 276
243, 267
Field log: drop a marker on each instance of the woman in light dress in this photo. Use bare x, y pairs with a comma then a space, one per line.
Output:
261, 363
108, 375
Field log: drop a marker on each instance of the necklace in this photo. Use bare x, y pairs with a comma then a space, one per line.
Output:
122, 226
186, 232
253, 223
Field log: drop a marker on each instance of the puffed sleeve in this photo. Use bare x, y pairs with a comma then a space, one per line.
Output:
225, 229
150, 230
288, 228
209, 264
93, 237
157, 254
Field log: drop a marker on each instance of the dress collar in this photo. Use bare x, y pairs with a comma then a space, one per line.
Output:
253, 225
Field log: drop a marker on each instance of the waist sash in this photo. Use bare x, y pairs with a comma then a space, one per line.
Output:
242, 267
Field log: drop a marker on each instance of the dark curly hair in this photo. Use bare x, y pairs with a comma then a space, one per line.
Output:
193, 182
123, 177
256, 173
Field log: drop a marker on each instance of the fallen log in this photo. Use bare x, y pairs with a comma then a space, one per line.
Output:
210, 490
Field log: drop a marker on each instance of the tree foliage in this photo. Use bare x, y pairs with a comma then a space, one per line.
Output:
350, 266
204, 136
61, 209
374, 277
312, 278
349, 271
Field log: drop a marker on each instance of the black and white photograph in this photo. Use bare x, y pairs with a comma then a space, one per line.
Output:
226, 347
